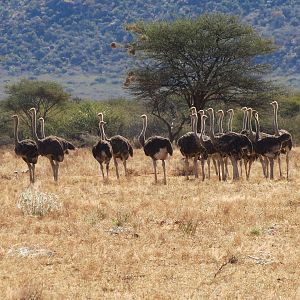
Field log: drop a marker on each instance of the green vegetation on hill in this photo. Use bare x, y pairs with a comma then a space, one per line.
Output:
65, 39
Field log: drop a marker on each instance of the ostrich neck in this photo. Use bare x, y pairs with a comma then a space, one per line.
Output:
211, 126
16, 131
257, 129
220, 129
33, 125
42, 129
230, 122
250, 125
142, 135
275, 121
102, 133
202, 131
244, 120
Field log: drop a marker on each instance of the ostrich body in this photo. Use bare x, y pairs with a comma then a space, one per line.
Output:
66, 144
189, 147
157, 147
27, 149
51, 147
121, 148
286, 146
102, 151
269, 146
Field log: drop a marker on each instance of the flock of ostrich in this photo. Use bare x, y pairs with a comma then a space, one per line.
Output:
240, 148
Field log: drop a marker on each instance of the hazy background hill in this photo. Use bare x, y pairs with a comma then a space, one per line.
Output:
68, 41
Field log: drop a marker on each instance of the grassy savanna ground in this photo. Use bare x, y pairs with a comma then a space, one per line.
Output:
187, 240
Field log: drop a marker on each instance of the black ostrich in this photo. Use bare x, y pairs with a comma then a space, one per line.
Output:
121, 148
27, 149
157, 147
190, 147
66, 144
102, 151
269, 146
206, 143
286, 146
229, 144
51, 147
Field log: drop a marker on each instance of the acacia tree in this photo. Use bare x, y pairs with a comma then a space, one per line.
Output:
45, 96
214, 58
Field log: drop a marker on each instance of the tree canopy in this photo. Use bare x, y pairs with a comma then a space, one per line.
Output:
215, 57
45, 96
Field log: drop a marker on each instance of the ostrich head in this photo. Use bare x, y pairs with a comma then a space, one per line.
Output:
193, 110
201, 112
274, 104
14, 117
144, 116
100, 115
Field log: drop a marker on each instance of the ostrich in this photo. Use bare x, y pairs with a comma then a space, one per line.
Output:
27, 149
66, 144
229, 144
269, 146
121, 148
51, 147
190, 148
287, 145
157, 147
102, 151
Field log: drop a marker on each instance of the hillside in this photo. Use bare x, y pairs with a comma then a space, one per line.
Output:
68, 41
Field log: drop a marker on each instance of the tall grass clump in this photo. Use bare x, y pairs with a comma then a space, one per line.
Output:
36, 203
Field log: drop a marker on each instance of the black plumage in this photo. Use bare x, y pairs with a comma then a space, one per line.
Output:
190, 147
269, 146
51, 147
65, 144
157, 147
121, 147
27, 149
102, 152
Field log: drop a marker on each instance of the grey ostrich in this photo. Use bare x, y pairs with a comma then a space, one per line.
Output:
51, 147
121, 148
157, 147
66, 144
286, 146
27, 149
102, 151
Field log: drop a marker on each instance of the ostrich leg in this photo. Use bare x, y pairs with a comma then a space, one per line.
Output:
33, 172
154, 166
196, 166
279, 165
186, 166
101, 168
30, 171
271, 168
107, 167
116, 166
287, 164
164, 168
125, 167
53, 167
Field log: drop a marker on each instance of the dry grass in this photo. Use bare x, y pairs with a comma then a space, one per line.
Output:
137, 240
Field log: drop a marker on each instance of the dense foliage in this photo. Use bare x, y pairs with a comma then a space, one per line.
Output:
72, 37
